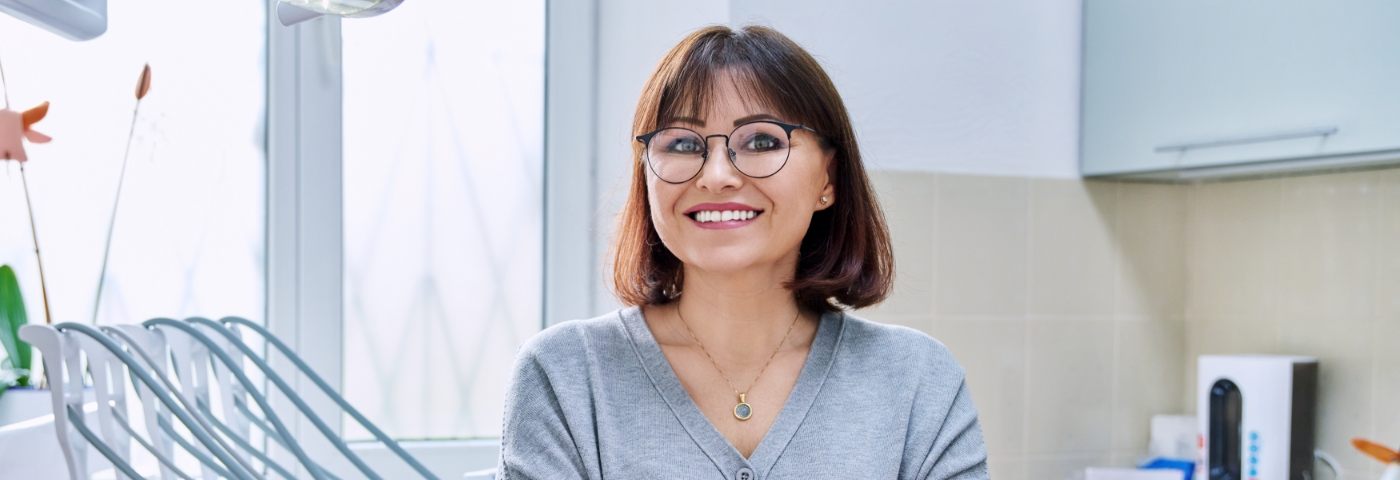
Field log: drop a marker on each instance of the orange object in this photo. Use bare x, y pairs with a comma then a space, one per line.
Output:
1375, 450
15, 127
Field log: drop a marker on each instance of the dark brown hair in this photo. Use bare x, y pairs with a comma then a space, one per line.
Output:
845, 257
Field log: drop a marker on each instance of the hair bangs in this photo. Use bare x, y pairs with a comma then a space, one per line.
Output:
694, 84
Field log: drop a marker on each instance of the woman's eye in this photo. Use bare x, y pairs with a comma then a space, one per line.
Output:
762, 143
686, 145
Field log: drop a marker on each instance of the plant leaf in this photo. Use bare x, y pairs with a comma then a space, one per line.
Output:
12, 316
143, 85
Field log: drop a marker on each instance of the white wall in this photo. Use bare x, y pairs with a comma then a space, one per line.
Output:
947, 86
936, 86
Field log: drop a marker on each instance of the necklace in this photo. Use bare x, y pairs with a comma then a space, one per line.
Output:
742, 410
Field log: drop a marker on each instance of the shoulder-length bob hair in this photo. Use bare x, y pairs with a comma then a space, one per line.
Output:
845, 258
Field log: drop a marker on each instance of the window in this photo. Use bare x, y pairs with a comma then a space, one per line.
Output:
443, 111
441, 190
189, 236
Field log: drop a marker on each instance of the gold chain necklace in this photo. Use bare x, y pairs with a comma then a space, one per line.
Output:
742, 410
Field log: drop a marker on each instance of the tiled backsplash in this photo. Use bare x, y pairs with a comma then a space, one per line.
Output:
1305, 265
1078, 307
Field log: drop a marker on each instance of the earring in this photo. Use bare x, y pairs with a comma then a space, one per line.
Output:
825, 200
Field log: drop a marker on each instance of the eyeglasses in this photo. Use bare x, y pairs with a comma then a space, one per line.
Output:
676, 155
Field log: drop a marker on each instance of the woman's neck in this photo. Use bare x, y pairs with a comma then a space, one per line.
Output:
740, 318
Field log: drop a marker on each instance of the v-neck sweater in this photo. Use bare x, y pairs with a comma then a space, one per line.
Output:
596, 399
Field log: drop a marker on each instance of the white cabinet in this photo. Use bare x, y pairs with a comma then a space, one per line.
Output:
1187, 88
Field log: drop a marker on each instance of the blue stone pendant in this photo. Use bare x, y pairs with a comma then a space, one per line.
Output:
742, 411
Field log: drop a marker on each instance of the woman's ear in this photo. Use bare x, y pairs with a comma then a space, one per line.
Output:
827, 196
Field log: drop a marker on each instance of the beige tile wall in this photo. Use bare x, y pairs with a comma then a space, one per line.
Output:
1061, 298
1305, 265
1078, 307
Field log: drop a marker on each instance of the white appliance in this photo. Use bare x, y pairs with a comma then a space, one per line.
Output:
292, 12
73, 19
1257, 416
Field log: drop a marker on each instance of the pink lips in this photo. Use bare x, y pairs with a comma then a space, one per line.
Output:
720, 207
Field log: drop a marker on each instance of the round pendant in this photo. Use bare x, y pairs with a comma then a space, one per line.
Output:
743, 411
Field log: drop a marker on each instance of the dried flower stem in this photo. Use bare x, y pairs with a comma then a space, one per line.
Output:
34, 231
143, 85
112, 223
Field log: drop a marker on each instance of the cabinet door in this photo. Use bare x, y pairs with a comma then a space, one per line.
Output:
1190, 83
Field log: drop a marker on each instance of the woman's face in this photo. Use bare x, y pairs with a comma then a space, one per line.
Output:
781, 205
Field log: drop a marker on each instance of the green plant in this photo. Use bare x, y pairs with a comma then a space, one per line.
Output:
13, 316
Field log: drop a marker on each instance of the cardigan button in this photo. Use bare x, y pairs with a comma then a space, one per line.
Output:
745, 473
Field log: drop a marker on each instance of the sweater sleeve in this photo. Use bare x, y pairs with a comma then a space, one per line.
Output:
536, 443
958, 452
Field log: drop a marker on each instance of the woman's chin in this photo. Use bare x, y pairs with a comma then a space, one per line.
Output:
721, 262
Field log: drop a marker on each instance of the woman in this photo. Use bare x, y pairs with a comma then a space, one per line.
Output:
750, 229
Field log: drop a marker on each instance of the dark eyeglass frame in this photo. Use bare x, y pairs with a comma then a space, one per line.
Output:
788, 128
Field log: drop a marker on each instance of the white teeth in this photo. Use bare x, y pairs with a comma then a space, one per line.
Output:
708, 216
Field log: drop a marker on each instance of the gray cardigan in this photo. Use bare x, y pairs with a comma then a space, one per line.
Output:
596, 399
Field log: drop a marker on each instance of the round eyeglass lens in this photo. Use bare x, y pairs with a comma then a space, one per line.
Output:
676, 154
760, 148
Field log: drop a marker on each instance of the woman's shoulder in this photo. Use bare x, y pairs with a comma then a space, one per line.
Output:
888, 344
571, 338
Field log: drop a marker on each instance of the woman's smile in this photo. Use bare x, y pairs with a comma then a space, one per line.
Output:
722, 216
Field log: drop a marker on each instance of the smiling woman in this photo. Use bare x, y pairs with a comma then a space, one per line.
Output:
749, 232
761, 80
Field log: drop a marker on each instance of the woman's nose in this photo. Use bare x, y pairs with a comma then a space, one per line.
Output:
719, 173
